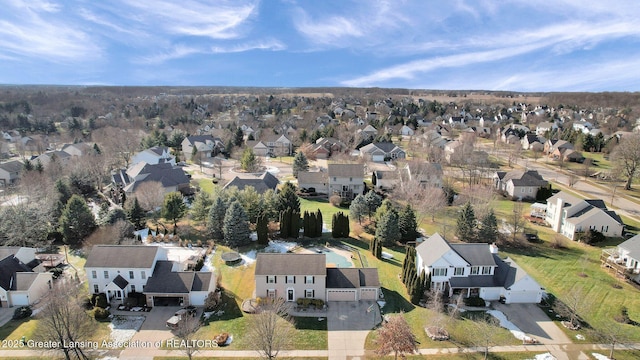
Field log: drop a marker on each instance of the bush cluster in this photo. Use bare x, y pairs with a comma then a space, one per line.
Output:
474, 301
305, 302
22, 312
100, 313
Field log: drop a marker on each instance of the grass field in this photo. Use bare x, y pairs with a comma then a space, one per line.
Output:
324, 206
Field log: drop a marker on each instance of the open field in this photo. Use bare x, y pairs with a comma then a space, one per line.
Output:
324, 206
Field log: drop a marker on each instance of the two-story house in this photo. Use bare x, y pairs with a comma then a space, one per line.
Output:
294, 276
475, 270
624, 259
382, 151
569, 216
117, 270
154, 155
10, 172
346, 180
23, 281
519, 184
171, 178
207, 145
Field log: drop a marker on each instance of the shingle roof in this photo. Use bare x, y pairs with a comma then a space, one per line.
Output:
163, 173
166, 281
9, 266
120, 282
346, 170
525, 178
632, 246
261, 183
305, 177
12, 166
432, 249
475, 254
290, 264
350, 278
122, 256
23, 280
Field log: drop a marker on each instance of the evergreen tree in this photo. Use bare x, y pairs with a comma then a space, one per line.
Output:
418, 289
383, 209
374, 244
306, 226
408, 224
238, 137
378, 249
300, 163
215, 219
96, 149
262, 230
76, 221
201, 205
285, 219
173, 208
135, 214
359, 207
249, 162
294, 224
466, 224
374, 201
287, 198
39, 167
28, 165
340, 225
319, 223
387, 229
489, 228
236, 226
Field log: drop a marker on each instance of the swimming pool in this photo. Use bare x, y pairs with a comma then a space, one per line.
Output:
337, 259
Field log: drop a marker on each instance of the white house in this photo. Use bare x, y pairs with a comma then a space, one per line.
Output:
569, 215
22, 280
381, 151
475, 270
154, 155
625, 258
519, 184
117, 270
346, 180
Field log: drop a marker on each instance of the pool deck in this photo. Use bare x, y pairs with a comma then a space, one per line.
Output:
331, 252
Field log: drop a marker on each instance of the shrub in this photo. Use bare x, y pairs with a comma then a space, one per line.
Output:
558, 242
319, 303
335, 200
623, 316
475, 301
22, 312
100, 313
213, 300
591, 237
56, 272
99, 300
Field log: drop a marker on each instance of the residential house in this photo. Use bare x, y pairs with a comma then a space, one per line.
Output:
325, 147
407, 131
346, 180
570, 216
624, 259
382, 151
11, 135
172, 178
543, 127
10, 172
368, 132
294, 276
154, 155
510, 135
207, 145
385, 180
583, 126
48, 157
273, 145
475, 270
118, 270
426, 173
260, 182
519, 184
77, 149
23, 281
314, 181
554, 147
533, 142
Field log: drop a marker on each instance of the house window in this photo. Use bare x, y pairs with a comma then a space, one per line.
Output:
522, 190
486, 270
96, 289
291, 279
475, 270
605, 228
94, 274
334, 179
530, 190
106, 274
271, 293
143, 275
271, 279
133, 288
309, 293
459, 271
309, 279
439, 272
130, 274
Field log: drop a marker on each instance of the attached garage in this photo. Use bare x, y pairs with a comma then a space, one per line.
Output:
164, 300
341, 295
377, 157
368, 294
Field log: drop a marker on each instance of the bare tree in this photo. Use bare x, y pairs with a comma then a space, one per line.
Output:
270, 329
186, 331
572, 304
395, 336
611, 333
481, 198
485, 335
517, 219
626, 158
150, 195
63, 320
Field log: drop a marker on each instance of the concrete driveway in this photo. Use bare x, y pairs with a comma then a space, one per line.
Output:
533, 321
6, 314
351, 315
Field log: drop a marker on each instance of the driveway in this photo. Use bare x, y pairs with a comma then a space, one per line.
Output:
351, 315
6, 314
533, 321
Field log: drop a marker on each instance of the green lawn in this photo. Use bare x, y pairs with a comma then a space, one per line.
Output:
206, 185
325, 207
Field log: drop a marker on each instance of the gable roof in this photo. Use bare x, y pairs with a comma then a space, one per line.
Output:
350, 278
122, 256
306, 177
432, 248
261, 183
163, 280
9, 267
23, 280
120, 282
524, 178
632, 246
164, 173
12, 166
290, 264
346, 170
475, 254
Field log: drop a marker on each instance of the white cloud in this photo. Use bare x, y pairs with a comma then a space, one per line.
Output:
272, 45
176, 52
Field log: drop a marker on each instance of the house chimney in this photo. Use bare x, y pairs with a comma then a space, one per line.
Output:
493, 248
557, 215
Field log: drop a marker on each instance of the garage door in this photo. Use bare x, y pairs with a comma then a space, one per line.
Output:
378, 158
368, 294
514, 297
168, 301
341, 295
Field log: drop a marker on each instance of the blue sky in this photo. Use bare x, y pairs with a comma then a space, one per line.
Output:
518, 45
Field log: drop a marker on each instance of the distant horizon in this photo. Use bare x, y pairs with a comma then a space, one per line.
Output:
523, 46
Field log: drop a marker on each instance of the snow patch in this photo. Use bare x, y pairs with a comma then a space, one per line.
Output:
275, 246
545, 356
519, 334
580, 337
599, 356
123, 328
386, 255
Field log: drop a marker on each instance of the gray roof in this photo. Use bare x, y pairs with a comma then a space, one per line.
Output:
508, 272
122, 256
475, 254
261, 183
24, 280
632, 246
120, 282
166, 281
387, 175
566, 197
305, 177
12, 166
524, 178
8, 250
9, 266
350, 278
164, 173
290, 264
346, 170
201, 281
432, 249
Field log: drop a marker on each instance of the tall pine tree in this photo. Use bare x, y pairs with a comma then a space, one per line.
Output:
215, 219
262, 230
236, 226
408, 224
300, 163
488, 232
387, 229
466, 224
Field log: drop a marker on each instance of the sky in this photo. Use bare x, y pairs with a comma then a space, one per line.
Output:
513, 45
